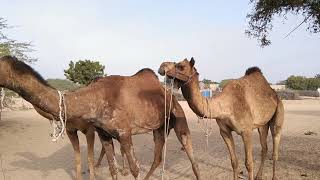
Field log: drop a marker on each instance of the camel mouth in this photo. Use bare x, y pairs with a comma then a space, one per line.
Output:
172, 81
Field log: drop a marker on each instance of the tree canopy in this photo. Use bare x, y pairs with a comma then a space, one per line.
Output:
12, 47
260, 19
84, 71
303, 83
63, 84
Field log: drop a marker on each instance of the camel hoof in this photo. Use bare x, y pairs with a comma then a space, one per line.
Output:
258, 178
274, 178
114, 177
124, 172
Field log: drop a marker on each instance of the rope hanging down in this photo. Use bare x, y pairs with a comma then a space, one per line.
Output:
60, 126
2, 94
166, 119
206, 126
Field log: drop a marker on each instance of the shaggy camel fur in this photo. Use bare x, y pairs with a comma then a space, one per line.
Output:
117, 106
243, 105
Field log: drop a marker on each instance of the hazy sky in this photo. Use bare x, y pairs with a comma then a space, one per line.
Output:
129, 35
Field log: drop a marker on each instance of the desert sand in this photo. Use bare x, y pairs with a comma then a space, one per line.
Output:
26, 150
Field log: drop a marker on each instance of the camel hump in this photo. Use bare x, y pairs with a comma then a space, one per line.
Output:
253, 70
146, 70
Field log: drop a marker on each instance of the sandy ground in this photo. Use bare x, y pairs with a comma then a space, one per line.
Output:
26, 151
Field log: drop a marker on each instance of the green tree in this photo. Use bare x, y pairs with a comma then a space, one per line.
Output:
303, 83
313, 84
12, 47
260, 19
224, 82
84, 71
63, 84
297, 82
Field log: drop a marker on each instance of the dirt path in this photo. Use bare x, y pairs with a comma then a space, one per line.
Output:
26, 151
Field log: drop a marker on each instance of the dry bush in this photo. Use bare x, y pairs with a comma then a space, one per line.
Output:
288, 95
308, 93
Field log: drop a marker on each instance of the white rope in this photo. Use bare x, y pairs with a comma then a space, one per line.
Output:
62, 117
206, 127
2, 94
166, 118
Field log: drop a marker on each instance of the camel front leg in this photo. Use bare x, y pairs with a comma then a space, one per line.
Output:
228, 139
73, 136
158, 138
126, 144
247, 140
182, 131
90, 148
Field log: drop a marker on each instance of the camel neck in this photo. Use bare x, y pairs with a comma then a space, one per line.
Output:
36, 92
202, 106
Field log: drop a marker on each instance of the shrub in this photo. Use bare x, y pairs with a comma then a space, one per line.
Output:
288, 95
309, 93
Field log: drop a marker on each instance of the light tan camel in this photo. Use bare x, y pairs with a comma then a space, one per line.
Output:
244, 104
117, 106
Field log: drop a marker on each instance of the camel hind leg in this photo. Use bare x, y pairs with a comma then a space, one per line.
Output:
276, 126
263, 133
102, 152
124, 170
90, 148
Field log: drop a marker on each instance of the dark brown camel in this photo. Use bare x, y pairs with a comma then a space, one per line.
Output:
89, 131
118, 107
244, 104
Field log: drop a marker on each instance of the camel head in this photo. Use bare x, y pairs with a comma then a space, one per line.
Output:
6, 69
13, 72
182, 72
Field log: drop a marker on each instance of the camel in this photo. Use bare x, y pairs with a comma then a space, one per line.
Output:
89, 131
117, 106
244, 104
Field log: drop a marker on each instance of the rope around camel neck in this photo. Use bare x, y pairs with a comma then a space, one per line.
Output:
166, 126
62, 118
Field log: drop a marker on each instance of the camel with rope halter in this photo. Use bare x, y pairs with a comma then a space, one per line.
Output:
117, 106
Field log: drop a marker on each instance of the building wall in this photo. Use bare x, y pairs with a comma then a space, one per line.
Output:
278, 87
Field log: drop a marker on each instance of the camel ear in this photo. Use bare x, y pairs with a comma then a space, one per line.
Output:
192, 61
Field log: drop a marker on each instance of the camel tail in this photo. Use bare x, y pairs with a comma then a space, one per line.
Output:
253, 70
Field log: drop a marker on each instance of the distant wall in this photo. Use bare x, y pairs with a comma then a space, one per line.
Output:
278, 87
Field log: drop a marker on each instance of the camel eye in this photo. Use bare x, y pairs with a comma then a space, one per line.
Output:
180, 68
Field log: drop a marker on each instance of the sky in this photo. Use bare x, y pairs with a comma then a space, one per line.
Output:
127, 36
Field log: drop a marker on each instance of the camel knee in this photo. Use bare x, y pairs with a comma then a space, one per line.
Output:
184, 140
249, 166
135, 173
135, 170
264, 150
157, 161
113, 170
275, 157
234, 164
